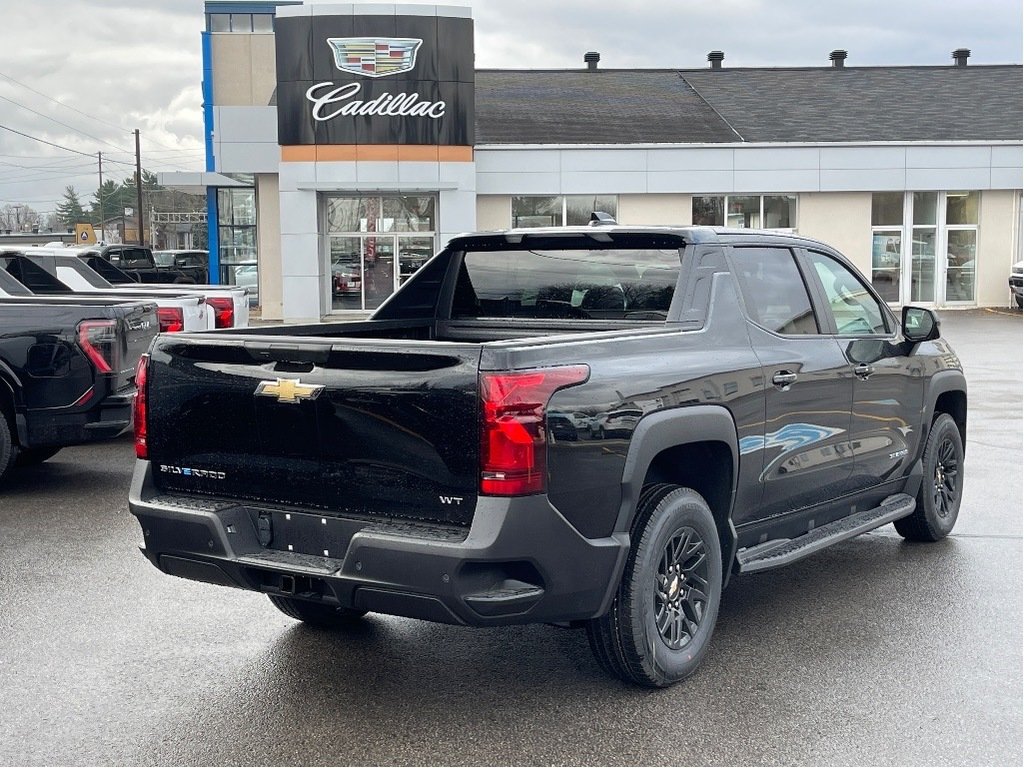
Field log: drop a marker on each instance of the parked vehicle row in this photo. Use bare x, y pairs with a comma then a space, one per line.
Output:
67, 371
71, 337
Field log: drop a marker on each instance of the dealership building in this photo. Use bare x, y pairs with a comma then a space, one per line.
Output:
347, 143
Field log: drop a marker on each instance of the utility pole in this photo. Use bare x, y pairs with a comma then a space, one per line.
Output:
99, 156
138, 186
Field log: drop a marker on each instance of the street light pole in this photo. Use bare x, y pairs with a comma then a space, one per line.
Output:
99, 156
138, 187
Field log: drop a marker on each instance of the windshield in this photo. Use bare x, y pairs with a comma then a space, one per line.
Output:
599, 284
163, 258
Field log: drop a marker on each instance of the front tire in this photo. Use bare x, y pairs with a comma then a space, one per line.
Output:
662, 617
938, 501
317, 614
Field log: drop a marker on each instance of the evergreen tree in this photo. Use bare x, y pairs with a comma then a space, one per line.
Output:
106, 201
70, 211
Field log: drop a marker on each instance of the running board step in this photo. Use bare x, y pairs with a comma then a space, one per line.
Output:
779, 552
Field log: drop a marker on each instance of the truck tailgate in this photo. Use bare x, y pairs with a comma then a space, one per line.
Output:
361, 427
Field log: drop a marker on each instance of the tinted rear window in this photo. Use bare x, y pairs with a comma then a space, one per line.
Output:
605, 284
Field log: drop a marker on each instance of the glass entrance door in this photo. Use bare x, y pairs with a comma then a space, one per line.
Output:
374, 244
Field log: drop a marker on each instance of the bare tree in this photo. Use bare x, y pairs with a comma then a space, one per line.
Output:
19, 217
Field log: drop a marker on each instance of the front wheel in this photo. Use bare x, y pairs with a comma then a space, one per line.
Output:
938, 501
7, 450
317, 614
661, 619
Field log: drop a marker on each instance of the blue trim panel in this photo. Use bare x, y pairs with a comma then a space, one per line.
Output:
208, 99
213, 234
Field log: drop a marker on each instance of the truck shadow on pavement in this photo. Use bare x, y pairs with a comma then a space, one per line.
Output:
790, 644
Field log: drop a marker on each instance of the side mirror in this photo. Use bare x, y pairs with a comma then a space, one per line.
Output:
920, 324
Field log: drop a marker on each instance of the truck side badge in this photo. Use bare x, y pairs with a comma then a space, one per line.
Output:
289, 390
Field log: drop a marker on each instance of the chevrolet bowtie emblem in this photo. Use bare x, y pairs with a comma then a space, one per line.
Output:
289, 390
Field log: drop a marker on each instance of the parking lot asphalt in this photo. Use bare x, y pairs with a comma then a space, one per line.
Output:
872, 652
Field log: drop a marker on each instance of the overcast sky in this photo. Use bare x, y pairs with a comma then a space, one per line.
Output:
116, 65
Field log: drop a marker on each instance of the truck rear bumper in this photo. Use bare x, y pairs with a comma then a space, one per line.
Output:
52, 427
520, 562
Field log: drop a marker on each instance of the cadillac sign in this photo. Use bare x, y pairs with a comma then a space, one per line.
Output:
367, 79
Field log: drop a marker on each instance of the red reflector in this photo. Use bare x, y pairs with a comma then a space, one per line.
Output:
513, 446
139, 408
98, 340
223, 311
172, 319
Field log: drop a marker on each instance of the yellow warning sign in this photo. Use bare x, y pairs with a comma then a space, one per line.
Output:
85, 234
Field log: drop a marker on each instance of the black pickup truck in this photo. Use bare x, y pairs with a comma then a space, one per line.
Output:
138, 262
591, 426
67, 371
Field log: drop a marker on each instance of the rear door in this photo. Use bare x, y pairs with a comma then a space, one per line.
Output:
808, 388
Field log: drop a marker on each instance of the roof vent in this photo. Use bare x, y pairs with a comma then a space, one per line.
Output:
838, 58
960, 56
591, 58
716, 57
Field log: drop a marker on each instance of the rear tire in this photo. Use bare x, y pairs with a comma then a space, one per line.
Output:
8, 451
938, 501
29, 457
662, 617
317, 614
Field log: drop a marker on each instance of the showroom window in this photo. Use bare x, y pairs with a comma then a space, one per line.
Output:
560, 210
374, 243
745, 211
961, 238
886, 243
236, 228
941, 229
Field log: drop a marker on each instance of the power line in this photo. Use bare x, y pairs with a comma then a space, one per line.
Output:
58, 122
44, 141
61, 103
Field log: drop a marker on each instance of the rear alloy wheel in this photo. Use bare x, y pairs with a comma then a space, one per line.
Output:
938, 501
660, 623
317, 614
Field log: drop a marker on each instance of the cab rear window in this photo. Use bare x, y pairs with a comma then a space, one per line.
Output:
604, 284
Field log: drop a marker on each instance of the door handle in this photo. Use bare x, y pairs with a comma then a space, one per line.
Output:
864, 370
783, 379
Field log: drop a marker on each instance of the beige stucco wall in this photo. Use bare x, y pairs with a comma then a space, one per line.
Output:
244, 69
997, 245
655, 209
268, 247
493, 212
840, 219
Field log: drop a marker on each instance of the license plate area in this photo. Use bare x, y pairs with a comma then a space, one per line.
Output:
304, 533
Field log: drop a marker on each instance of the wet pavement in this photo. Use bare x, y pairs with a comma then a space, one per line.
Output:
871, 652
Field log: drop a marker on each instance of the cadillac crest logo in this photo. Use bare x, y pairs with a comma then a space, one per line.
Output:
374, 56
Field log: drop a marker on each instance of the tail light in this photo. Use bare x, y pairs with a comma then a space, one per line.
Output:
513, 457
172, 319
98, 340
223, 311
139, 408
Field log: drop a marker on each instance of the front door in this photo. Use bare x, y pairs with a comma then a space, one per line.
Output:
808, 388
888, 384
